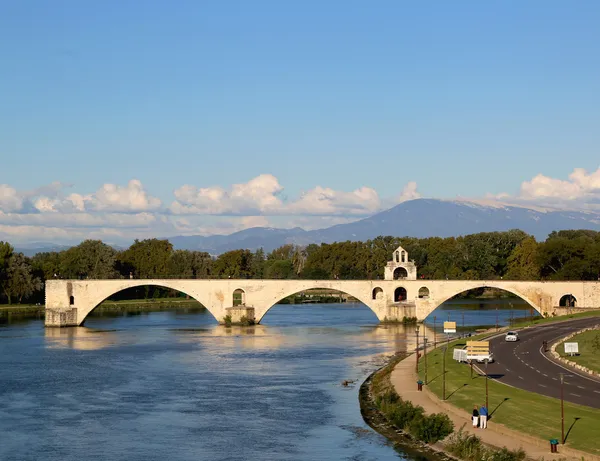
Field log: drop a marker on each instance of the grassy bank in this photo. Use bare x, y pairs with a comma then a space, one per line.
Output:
589, 349
544, 320
526, 412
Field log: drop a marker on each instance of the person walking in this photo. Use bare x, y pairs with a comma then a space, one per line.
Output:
475, 416
483, 415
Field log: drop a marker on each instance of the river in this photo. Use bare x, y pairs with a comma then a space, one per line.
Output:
174, 385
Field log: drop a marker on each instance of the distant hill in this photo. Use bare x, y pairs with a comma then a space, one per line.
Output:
414, 218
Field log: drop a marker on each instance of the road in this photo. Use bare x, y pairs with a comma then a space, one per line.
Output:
523, 364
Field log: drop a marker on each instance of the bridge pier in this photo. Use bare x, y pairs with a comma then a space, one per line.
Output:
61, 317
238, 315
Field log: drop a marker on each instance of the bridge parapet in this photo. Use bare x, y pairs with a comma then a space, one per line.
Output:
68, 302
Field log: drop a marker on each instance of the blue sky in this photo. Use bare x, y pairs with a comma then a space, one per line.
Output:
462, 98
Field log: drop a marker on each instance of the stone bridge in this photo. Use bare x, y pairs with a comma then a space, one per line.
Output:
69, 302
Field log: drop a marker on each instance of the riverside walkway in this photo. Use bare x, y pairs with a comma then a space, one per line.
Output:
404, 379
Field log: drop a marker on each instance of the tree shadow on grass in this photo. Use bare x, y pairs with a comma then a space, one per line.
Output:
569, 431
497, 406
456, 390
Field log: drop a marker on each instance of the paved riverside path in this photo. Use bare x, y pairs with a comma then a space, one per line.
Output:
523, 364
404, 380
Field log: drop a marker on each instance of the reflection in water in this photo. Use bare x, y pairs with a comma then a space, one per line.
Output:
175, 385
81, 338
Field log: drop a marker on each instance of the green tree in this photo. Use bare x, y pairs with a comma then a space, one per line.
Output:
6, 252
234, 264
148, 258
522, 263
190, 264
90, 259
279, 269
258, 264
21, 283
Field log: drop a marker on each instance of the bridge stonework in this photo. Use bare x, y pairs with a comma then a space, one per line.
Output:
68, 302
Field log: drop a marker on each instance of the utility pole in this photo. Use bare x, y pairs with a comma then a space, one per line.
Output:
496, 318
562, 409
425, 356
486, 384
444, 374
417, 351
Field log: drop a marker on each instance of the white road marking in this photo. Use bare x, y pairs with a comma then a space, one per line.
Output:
545, 375
581, 387
520, 377
576, 395
541, 385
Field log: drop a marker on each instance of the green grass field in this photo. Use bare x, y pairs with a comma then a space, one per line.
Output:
589, 349
541, 321
527, 412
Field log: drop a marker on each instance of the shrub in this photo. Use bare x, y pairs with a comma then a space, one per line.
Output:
406, 416
470, 448
227, 320
465, 446
431, 428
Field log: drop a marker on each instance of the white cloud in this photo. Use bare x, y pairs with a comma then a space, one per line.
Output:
10, 199
257, 195
326, 201
261, 195
125, 212
132, 197
580, 190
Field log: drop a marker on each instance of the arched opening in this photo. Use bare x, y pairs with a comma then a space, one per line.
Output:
239, 298
482, 308
404, 256
148, 303
71, 300
321, 306
397, 256
400, 294
568, 300
377, 293
423, 292
400, 273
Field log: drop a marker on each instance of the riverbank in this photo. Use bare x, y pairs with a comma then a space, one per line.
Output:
133, 305
375, 385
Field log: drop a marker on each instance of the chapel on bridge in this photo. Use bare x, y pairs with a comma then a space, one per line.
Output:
400, 267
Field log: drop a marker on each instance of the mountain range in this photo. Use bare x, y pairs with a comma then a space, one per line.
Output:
413, 218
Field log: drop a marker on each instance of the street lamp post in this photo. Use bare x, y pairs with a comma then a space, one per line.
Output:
425, 356
496, 318
562, 410
486, 384
417, 351
444, 374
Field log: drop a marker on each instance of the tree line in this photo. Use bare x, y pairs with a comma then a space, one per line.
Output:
514, 255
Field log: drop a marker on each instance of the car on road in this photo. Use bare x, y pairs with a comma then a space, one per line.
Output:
511, 336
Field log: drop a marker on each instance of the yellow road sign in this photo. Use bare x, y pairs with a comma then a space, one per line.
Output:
478, 348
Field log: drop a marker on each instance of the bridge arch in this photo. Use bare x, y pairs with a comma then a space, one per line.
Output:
568, 300
89, 300
364, 296
437, 299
